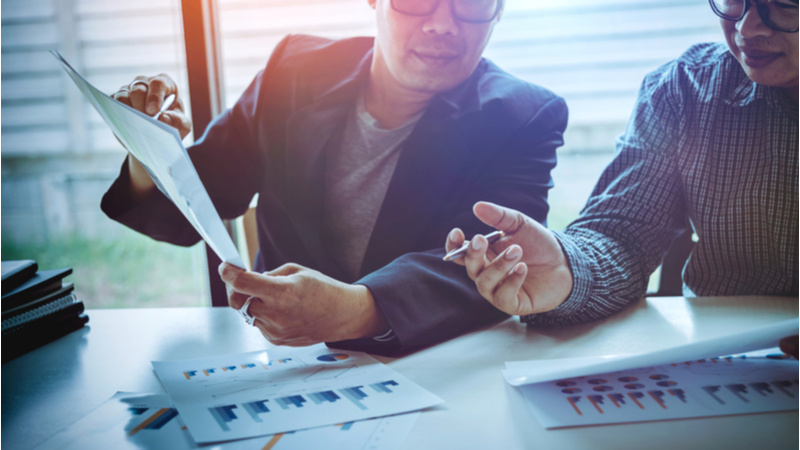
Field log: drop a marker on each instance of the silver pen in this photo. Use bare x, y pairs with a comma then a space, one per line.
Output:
165, 106
459, 252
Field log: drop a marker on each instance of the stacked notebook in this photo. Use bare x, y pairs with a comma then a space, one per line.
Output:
37, 307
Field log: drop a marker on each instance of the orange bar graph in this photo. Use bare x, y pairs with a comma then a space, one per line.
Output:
187, 376
205, 372
658, 400
571, 402
595, 404
635, 401
148, 421
615, 401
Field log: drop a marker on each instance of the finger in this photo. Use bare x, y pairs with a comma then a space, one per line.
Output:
504, 219
178, 120
491, 276
285, 270
506, 297
137, 94
475, 259
236, 299
249, 283
789, 345
122, 96
454, 240
178, 105
160, 87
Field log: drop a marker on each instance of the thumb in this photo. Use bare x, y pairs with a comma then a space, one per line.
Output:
506, 220
249, 283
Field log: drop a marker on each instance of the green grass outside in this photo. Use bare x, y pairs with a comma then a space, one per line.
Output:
128, 271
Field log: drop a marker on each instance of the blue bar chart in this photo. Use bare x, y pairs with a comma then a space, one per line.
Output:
255, 408
292, 400
325, 396
223, 415
355, 395
258, 393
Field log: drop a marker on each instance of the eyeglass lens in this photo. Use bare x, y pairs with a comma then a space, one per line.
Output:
778, 14
464, 10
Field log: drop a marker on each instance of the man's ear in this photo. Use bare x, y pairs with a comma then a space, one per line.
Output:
372, 3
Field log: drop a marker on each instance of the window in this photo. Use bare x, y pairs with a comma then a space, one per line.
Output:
58, 157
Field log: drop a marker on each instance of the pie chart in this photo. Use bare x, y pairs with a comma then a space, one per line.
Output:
333, 357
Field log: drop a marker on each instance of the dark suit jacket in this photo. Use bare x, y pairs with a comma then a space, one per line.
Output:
493, 138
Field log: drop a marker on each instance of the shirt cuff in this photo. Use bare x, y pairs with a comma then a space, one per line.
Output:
582, 284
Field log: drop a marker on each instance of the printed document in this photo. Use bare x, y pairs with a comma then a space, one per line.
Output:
160, 150
252, 394
136, 421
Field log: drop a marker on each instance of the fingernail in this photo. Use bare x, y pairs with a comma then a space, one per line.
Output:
519, 269
221, 268
452, 236
152, 108
476, 244
513, 253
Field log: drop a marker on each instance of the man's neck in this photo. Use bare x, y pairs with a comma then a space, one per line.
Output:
390, 103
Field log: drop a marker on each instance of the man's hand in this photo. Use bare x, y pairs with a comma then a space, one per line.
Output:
297, 306
147, 94
523, 273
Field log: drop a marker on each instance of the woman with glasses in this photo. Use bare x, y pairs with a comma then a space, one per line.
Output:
712, 144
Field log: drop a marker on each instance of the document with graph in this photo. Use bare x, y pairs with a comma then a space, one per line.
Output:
257, 393
160, 150
136, 421
755, 382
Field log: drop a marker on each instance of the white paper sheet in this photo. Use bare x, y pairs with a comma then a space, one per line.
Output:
527, 372
136, 421
253, 394
699, 388
160, 150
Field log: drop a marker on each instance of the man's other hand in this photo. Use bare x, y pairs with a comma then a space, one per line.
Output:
297, 306
146, 95
525, 272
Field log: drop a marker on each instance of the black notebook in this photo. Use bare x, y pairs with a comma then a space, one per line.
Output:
17, 272
42, 283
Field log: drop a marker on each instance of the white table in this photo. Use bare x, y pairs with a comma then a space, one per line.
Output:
56, 385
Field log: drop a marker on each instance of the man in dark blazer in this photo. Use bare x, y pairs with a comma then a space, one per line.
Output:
474, 133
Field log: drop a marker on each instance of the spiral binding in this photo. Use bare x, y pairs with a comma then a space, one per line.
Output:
41, 311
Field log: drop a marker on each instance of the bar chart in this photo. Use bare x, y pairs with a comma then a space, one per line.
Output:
253, 394
711, 387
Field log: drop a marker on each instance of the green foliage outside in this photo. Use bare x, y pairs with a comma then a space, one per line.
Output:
128, 271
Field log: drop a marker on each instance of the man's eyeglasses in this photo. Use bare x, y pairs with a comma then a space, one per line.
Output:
472, 11
780, 15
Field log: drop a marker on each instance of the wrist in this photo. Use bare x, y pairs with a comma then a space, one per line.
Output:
372, 321
141, 183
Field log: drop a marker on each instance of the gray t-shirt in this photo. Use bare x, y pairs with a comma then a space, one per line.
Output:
357, 176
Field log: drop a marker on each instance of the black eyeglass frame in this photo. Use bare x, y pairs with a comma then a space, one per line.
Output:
762, 9
452, 11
